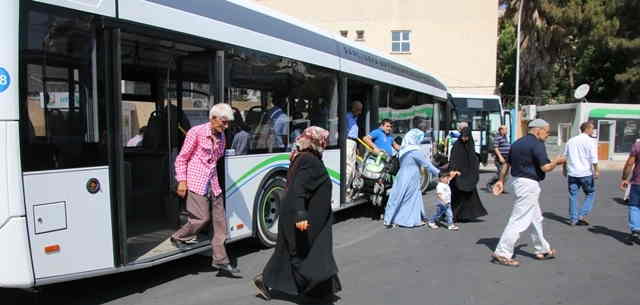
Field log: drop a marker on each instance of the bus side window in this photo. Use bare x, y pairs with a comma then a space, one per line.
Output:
65, 110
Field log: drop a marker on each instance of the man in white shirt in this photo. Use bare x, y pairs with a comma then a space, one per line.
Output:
581, 171
352, 136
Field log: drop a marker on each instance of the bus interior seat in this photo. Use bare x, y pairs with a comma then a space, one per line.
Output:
149, 180
253, 116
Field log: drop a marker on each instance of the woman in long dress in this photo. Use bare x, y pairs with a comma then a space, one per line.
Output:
303, 263
405, 206
465, 201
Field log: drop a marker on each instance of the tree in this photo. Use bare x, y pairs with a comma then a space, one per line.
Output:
568, 42
625, 47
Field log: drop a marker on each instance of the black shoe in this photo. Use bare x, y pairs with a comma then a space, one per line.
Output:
178, 243
582, 222
226, 268
633, 237
263, 291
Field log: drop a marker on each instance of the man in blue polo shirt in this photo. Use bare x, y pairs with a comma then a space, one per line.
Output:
381, 139
529, 162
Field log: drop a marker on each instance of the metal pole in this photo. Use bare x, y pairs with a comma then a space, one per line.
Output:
518, 68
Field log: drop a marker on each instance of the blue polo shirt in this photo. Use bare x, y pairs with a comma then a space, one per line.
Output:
526, 157
352, 126
382, 140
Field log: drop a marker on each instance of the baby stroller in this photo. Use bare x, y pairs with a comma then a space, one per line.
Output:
374, 176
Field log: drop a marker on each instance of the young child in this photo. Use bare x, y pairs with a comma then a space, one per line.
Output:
443, 202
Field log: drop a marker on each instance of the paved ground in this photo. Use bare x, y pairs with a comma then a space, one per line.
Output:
413, 266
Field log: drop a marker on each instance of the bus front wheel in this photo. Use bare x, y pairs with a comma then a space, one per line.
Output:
267, 210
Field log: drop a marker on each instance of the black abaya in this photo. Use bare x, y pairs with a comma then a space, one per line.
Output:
465, 202
303, 262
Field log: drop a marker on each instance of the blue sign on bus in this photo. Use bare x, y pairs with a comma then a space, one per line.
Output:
5, 79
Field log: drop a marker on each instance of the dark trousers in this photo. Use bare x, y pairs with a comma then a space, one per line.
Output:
199, 216
499, 167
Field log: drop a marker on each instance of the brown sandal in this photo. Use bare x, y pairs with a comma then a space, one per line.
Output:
547, 255
501, 260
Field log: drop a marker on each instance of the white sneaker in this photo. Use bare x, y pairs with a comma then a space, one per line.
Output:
453, 228
432, 225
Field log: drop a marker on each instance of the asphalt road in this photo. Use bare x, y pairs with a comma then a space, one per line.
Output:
412, 266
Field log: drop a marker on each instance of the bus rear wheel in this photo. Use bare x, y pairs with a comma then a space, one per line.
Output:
267, 210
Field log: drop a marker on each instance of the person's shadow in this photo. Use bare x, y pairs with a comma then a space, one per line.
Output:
302, 300
621, 201
492, 242
617, 235
556, 217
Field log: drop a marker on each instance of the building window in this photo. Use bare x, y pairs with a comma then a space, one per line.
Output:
344, 33
360, 35
400, 41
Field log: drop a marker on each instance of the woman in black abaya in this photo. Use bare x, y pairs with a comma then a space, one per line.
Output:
303, 263
465, 202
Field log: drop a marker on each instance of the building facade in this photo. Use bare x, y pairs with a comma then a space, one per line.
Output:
455, 41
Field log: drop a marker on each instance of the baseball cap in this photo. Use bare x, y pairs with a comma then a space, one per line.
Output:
538, 123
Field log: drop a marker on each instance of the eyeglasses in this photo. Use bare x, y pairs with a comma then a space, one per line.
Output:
223, 122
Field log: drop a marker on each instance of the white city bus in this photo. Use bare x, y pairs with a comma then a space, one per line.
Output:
484, 114
83, 194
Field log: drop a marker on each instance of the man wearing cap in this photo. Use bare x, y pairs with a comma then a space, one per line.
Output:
501, 147
529, 162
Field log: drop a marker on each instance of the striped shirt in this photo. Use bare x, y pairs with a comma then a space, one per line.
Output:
503, 145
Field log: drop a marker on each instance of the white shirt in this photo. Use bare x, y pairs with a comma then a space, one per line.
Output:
581, 153
444, 191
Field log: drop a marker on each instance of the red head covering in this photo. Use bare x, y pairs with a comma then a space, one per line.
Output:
312, 139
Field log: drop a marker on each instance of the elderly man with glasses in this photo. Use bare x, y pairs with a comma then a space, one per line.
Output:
198, 182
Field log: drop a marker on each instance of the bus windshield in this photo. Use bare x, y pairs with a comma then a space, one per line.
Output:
473, 110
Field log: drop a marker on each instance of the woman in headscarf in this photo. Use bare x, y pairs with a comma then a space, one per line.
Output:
303, 263
405, 206
465, 201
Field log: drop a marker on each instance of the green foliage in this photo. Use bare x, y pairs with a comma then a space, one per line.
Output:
569, 42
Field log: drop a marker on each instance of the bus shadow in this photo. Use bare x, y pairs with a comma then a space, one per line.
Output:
108, 288
104, 289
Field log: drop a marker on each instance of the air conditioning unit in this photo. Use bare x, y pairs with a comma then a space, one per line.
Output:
529, 112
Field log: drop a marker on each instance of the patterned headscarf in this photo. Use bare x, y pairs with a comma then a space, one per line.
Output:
312, 139
411, 141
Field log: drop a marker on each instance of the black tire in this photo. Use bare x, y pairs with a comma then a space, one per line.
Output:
266, 210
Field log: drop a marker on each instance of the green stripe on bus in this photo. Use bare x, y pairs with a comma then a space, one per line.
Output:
609, 113
282, 157
428, 112
332, 173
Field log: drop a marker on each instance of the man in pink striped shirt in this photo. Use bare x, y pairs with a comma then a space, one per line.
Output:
198, 182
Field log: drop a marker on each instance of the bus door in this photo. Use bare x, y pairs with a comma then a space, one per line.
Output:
165, 91
369, 95
64, 144
479, 132
506, 121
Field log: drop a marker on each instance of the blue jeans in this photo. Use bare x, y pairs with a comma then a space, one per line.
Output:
588, 187
634, 208
443, 209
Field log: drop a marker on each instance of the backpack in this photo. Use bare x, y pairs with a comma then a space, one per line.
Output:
393, 165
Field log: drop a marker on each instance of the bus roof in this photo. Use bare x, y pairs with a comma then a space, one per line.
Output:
286, 36
480, 96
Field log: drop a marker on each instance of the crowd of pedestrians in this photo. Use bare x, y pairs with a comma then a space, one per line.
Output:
303, 263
